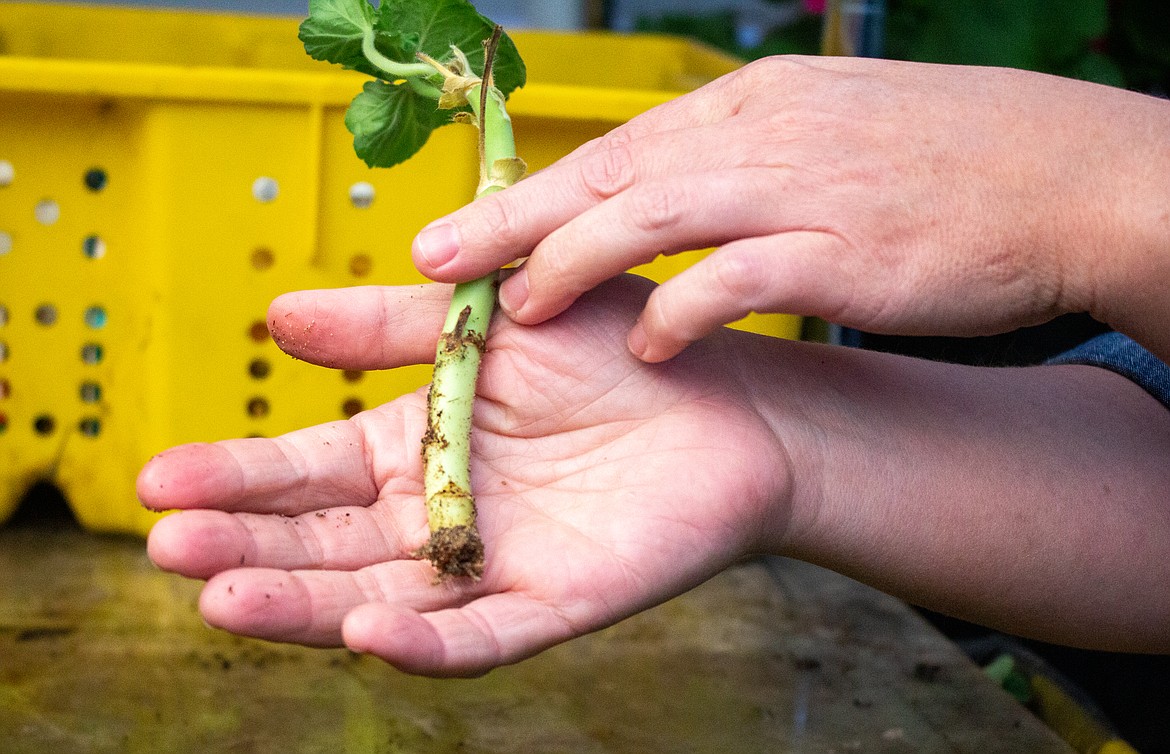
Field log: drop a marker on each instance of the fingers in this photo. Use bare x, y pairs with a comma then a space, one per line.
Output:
201, 543
495, 630
661, 215
394, 611
302, 471
360, 328
685, 135
496, 230
308, 607
794, 273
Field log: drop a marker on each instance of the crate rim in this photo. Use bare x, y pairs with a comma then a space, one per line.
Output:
104, 80
329, 87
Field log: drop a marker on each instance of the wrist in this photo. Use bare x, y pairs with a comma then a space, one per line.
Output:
1126, 264
780, 379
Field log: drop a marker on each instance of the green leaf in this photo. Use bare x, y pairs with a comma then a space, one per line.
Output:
391, 122
443, 24
333, 32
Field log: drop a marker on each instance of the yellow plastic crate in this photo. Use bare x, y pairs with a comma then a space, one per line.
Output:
164, 175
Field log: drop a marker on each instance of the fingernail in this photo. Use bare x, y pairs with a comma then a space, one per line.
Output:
636, 340
437, 244
514, 292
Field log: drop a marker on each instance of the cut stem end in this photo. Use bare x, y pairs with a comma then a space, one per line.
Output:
454, 551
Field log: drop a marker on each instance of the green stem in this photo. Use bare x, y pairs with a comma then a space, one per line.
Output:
455, 548
415, 74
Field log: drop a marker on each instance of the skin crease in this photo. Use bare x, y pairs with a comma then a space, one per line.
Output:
626, 448
893, 197
1028, 499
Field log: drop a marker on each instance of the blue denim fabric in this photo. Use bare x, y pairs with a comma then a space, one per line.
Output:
1118, 353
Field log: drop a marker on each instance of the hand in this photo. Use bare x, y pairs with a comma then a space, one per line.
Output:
892, 197
604, 486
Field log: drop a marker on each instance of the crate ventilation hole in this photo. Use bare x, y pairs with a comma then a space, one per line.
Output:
263, 258
96, 179
7, 176
47, 212
5, 386
259, 369
93, 247
265, 189
46, 315
361, 195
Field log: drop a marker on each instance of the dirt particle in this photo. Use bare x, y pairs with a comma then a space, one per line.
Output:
927, 672
433, 438
45, 632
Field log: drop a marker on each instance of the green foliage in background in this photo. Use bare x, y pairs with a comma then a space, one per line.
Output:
1052, 36
1121, 43
718, 30
1139, 40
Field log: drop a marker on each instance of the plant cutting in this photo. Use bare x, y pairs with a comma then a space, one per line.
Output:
433, 62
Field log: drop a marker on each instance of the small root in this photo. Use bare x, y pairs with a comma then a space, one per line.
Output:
454, 551
459, 337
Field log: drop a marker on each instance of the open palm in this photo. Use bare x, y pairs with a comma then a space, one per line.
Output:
604, 486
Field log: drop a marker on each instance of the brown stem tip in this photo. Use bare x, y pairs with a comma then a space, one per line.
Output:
454, 551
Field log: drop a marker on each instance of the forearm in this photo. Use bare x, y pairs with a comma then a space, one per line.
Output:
1032, 500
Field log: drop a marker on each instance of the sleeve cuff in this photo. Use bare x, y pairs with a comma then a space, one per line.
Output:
1121, 354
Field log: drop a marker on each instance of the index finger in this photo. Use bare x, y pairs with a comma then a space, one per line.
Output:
491, 232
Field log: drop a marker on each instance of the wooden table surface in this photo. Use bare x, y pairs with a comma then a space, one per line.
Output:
101, 652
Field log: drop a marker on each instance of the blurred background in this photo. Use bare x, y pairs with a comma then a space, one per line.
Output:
1122, 43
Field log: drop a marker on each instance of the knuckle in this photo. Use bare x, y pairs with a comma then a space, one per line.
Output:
758, 70
763, 72
498, 219
768, 68
739, 277
549, 269
657, 206
610, 168
657, 317
795, 75
668, 318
